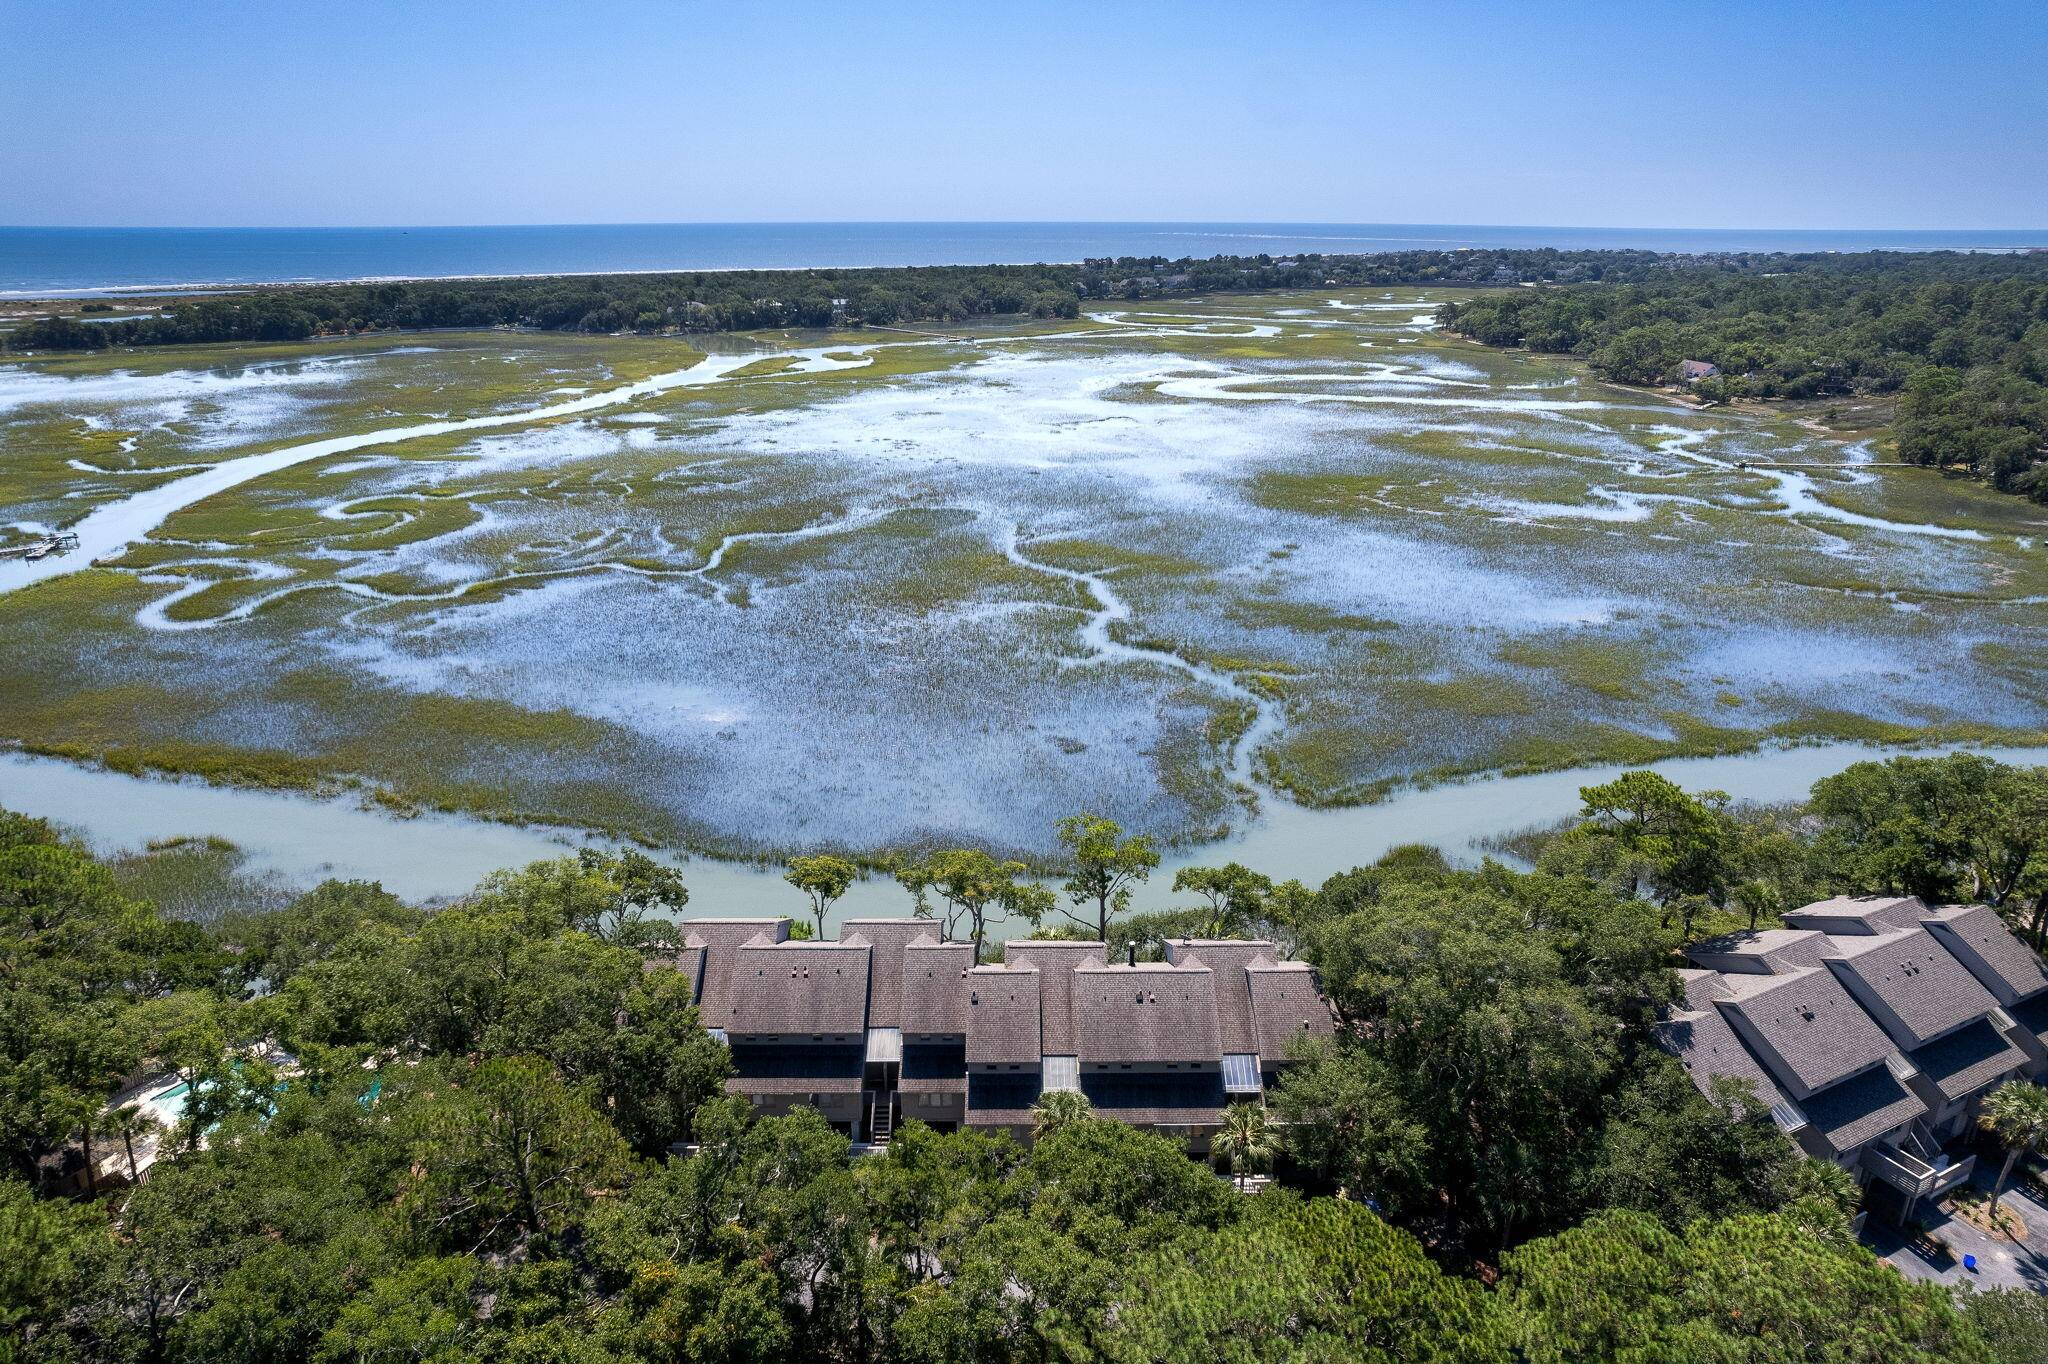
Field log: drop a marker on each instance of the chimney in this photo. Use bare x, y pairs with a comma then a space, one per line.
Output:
1134, 954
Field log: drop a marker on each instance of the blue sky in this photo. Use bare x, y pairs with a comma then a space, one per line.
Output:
1801, 114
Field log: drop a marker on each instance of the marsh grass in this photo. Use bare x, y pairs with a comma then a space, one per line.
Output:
1362, 571
200, 880
1615, 669
1300, 617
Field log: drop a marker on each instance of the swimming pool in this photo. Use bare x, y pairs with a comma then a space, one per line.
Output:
168, 1105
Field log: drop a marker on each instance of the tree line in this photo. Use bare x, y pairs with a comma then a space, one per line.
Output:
1961, 340
746, 300
469, 1156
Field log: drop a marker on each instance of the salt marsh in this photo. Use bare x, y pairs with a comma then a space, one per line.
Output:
1183, 565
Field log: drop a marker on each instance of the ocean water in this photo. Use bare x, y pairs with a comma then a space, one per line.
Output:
42, 261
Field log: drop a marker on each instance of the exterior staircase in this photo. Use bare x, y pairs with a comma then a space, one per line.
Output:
884, 1119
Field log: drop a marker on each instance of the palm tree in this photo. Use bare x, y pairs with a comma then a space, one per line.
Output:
92, 1174
1820, 1198
1246, 1140
1057, 1108
2016, 1113
129, 1122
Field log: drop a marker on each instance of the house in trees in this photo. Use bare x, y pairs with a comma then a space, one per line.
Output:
888, 1022
1692, 371
1871, 1026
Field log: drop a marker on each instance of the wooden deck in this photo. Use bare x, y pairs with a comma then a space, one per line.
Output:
41, 549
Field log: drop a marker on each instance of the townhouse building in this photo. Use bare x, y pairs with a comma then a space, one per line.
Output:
887, 1022
1871, 1026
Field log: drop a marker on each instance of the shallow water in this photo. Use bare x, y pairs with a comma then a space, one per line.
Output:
954, 589
114, 528
441, 856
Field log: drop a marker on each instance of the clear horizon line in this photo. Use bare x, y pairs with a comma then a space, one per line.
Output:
971, 222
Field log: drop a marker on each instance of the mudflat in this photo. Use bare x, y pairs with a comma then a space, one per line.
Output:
1172, 562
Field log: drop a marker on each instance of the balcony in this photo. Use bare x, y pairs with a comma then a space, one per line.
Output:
1911, 1175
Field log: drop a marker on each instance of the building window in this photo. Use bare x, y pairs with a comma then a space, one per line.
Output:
1241, 1073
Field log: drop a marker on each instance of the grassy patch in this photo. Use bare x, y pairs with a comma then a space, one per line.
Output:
1845, 726
1477, 696
760, 369
963, 574
1618, 670
1308, 618
198, 879
1327, 493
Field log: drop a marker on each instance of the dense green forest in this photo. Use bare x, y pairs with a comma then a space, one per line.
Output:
468, 1158
1961, 340
742, 300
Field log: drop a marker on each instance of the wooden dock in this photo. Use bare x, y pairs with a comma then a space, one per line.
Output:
60, 543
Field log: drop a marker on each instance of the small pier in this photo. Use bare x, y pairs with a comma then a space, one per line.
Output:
61, 543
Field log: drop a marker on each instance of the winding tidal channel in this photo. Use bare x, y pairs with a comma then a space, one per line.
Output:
305, 840
1178, 566
113, 528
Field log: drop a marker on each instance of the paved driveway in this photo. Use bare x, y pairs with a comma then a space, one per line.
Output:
2001, 1261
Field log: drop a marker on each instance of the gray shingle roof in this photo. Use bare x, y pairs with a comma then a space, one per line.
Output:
799, 987
934, 992
1013, 1015
887, 938
782, 1084
1967, 1059
1233, 984
1056, 962
1917, 979
1286, 1004
688, 962
1770, 948
2032, 1014
933, 1084
1858, 913
1701, 987
1002, 1016
1861, 1109
720, 940
1809, 1024
1706, 1045
1152, 1013
1982, 942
